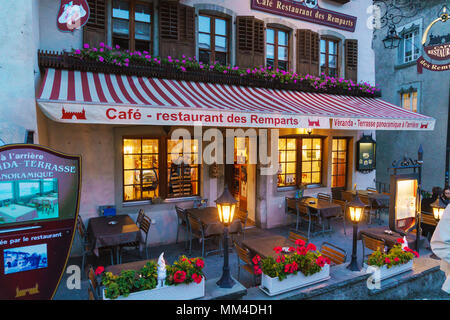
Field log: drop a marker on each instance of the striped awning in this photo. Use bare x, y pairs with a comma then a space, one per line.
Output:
88, 97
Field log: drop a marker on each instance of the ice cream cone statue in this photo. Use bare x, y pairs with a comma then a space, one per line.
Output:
161, 270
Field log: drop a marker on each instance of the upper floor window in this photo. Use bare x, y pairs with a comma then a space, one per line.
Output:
409, 46
213, 37
277, 49
409, 100
132, 25
329, 57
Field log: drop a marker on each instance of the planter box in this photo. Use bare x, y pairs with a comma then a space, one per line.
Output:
180, 292
387, 273
273, 286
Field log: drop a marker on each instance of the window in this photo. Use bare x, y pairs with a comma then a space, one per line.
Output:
29, 188
409, 100
48, 185
132, 25
300, 161
141, 169
277, 49
213, 39
312, 161
409, 47
6, 190
339, 163
329, 57
182, 170
287, 159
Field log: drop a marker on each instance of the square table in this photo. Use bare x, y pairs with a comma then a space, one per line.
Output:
112, 231
17, 213
38, 200
135, 265
209, 217
391, 239
377, 200
263, 246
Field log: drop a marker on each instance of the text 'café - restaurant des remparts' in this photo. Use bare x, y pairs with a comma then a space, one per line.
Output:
117, 90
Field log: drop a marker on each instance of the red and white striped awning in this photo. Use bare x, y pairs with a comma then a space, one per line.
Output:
88, 97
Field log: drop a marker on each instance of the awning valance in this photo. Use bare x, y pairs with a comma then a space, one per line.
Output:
88, 97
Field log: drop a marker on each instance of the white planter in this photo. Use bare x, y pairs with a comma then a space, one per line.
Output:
179, 292
385, 273
273, 286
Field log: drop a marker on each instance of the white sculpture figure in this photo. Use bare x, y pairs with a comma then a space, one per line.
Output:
405, 243
161, 270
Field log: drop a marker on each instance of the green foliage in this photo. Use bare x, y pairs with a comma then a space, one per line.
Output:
395, 256
130, 281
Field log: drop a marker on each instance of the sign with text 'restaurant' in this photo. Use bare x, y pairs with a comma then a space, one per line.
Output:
39, 199
307, 10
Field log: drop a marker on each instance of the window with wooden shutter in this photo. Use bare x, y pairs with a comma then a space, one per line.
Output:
307, 52
177, 29
249, 42
329, 57
351, 59
94, 31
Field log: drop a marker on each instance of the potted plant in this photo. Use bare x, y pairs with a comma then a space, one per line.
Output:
303, 266
399, 259
184, 280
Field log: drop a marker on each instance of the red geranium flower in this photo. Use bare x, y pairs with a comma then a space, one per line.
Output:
396, 259
311, 247
302, 251
320, 261
256, 259
179, 276
196, 278
280, 259
291, 249
300, 242
200, 263
277, 249
327, 260
257, 270
400, 240
99, 270
387, 261
415, 253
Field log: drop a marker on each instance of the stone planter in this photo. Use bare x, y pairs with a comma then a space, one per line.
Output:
180, 292
388, 273
273, 286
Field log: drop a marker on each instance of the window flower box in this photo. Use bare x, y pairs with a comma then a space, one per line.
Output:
273, 286
179, 292
386, 272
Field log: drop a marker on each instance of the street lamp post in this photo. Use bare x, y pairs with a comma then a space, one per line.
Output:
438, 211
226, 205
356, 210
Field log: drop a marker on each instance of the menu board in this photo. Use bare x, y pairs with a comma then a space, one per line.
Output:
365, 154
39, 201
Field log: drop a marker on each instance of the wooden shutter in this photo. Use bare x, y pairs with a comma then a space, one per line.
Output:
177, 29
249, 42
308, 43
94, 31
351, 59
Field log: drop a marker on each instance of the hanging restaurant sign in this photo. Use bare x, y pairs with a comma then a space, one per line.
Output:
365, 154
307, 10
72, 15
438, 47
39, 200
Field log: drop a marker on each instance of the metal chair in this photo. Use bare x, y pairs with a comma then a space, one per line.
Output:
46, 206
368, 210
242, 216
197, 230
343, 214
182, 223
324, 197
372, 189
372, 244
243, 255
86, 245
429, 220
334, 253
141, 214
295, 236
93, 285
144, 226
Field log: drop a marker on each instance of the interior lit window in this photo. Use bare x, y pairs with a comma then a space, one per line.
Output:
311, 161
287, 159
409, 100
339, 163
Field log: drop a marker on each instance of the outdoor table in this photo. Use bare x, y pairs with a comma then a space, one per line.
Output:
391, 239
209, 217
17, 213
102, 233
264, 246
118, 268
38, 200
324, 208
